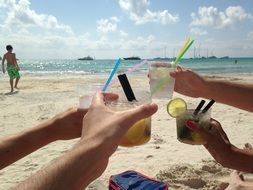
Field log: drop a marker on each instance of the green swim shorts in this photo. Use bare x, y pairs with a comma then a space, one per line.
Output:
12, 72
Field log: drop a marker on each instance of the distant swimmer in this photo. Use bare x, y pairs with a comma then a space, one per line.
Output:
236, 61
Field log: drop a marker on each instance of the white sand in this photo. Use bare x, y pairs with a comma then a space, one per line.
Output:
182, 166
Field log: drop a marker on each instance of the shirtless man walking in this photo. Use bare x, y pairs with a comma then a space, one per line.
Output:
12, 67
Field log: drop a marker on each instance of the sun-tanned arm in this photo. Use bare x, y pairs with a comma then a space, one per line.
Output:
238, 95
66, 125
191, 84
234, 94
222, 150
73, 170
102, 132
241, 160
15, 147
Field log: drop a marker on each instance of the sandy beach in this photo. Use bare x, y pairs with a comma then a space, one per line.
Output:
164, 157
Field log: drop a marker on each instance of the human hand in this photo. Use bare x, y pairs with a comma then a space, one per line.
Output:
217, 142
189, 83
105, 128
68, 124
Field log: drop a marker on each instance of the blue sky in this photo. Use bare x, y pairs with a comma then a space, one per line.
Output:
119, 28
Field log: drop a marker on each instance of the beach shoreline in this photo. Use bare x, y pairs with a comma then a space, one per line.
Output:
41, 97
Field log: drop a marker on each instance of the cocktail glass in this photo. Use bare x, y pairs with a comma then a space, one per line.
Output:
140, 132
86, 93
186, 135
161, 83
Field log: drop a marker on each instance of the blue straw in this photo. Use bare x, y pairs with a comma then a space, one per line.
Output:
111, 74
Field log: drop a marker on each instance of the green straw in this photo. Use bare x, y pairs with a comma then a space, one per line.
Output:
183, 52
182, 49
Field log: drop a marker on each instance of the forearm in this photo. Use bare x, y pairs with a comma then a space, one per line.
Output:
74, 170
241, 160
18, 146
237, 95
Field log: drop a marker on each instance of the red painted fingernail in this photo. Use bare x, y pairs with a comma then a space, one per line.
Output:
191, 124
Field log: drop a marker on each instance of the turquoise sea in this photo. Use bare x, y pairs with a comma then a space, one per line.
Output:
215, 66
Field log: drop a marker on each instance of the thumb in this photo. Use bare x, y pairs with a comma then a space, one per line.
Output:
132, 116
196, 128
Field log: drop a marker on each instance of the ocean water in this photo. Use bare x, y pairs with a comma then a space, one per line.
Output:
228, 66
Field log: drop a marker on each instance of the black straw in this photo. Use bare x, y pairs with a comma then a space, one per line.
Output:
198, 108
208, 106
126, 87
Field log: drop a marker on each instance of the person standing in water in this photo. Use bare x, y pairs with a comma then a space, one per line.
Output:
12, 67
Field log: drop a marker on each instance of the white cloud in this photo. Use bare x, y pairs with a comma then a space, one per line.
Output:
115, 19
107, 25
3, 3
212, 17
53, 46
20, 16
198, 31
123, 33
140, 14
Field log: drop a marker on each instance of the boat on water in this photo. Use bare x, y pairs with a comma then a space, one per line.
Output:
162, 59
132, 58
86, 58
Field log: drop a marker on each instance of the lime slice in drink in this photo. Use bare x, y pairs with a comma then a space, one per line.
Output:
176, 107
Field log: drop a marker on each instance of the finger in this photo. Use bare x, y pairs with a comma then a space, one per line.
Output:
132, 116
97, 98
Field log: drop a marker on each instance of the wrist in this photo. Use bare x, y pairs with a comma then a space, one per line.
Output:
232, 157
102, 149
95, 164
241, 160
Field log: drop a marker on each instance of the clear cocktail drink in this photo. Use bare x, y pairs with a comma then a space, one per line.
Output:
86, 92
161, 83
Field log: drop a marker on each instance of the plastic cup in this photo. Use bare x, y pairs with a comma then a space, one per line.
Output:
186, 135
86, 93
161, 83
140, 132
